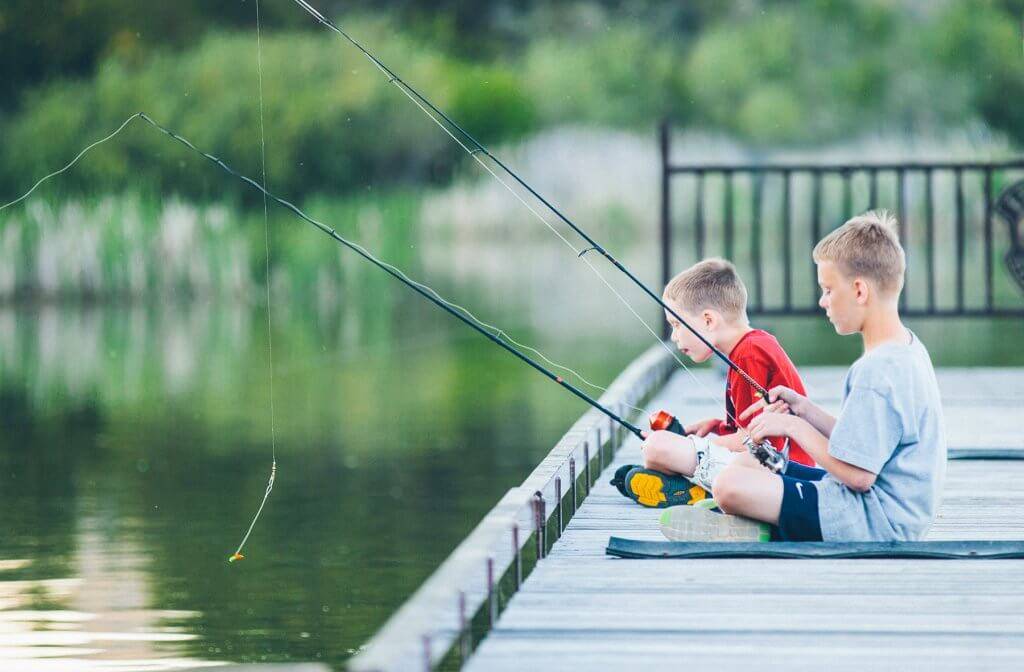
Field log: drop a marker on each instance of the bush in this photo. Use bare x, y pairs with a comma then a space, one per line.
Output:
333, 124
624, 76
806, 72
827, 69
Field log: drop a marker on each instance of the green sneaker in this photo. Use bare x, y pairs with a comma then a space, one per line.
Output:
658, 490
705, 522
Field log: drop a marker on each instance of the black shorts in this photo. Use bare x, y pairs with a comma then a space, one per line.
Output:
798, 519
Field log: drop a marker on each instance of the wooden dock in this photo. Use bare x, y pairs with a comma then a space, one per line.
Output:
581, 609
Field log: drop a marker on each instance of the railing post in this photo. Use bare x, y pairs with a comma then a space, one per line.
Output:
698, 214
961, 238
987, 185
755, 238
492, 602
540, 524
728, 223
614, 433
464, 634
787, 246
666, 211
600, 452
816, 219
903, 229
572, 483
558, 498
586, 467
517, 555
929, 217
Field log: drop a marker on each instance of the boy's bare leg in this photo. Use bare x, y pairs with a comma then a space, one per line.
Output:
672, 454
745, 488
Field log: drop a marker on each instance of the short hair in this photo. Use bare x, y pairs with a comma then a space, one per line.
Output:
866, 246
712, 283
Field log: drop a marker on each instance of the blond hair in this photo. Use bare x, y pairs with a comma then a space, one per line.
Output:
712, 283
866, 246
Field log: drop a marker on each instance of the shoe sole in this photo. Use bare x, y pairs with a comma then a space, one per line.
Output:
649, 490
688, 523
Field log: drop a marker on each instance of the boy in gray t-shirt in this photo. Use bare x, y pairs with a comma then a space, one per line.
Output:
890, 424
882, 460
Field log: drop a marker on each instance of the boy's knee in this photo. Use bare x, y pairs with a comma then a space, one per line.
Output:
654, 457
728, 489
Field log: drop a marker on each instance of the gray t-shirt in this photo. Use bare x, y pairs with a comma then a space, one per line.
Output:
890, 424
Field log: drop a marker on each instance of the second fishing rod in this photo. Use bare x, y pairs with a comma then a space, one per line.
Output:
440, 303
476, 148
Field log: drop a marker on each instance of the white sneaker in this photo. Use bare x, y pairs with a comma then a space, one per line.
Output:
702, 523
711, 460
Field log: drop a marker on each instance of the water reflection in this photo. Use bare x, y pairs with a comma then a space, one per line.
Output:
99, 620
135, 445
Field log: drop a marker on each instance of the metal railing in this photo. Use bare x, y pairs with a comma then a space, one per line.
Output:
454, 609
766, 218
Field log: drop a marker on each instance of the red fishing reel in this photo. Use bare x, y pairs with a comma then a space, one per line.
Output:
663, 420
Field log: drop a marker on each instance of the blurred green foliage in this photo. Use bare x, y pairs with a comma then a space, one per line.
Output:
766, 71
332, 122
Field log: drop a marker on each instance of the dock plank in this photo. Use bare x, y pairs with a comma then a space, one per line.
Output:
581, 609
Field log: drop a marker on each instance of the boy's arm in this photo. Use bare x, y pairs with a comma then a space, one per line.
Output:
818, 418
785, 400
709, 426
770, 424
815, 443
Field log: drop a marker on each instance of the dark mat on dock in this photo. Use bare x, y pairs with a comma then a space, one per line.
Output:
985, 454
935, 550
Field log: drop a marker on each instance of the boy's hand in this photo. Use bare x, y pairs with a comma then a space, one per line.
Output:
771, 424
732, 442
784, 400
702, 428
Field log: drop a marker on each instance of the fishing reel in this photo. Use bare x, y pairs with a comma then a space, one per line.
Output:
766, 454
665, 421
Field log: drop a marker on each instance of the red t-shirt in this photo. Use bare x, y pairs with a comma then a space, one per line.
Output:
760, 355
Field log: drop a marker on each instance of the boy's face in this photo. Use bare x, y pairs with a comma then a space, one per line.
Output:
844, 299
684, 339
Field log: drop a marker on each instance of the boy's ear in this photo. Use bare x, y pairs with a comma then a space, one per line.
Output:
862, 290
710, 318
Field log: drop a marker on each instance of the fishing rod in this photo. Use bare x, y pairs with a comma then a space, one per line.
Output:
477, 149
458, 311
398, 276
659, 420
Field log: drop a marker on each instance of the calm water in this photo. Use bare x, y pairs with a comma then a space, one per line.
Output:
136, 443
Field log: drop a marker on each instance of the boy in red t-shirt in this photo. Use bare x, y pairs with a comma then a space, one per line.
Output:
712, 299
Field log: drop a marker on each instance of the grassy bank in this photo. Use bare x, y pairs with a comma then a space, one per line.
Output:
474, 234
134, 245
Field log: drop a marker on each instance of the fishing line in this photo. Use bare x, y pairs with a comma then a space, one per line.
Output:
436, 115
496, 330
68, 167
419, 288
431, 110
499, 336
237, 555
